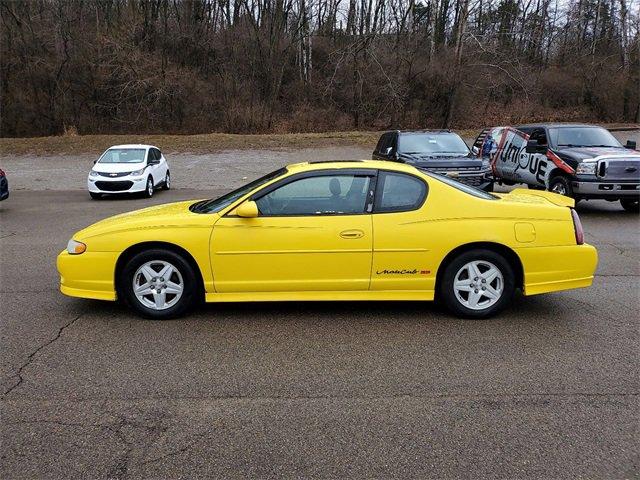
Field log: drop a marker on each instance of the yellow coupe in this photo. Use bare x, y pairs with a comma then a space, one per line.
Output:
367, 230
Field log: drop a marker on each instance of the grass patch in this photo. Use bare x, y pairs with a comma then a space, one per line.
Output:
206, 143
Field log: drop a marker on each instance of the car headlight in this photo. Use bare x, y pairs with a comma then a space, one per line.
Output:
138, 172
93, 173
75, 248
586, 168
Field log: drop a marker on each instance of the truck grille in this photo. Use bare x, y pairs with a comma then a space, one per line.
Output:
619, 170
114, 186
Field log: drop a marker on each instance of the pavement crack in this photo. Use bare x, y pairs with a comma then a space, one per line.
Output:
35, 353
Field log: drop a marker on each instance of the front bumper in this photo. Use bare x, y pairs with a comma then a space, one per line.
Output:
88, 275
128, 184
608, 190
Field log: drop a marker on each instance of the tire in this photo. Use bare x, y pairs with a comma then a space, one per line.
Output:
167, 181
148, 191
95, 196
561, 185
462, 299
179, 292
630, 204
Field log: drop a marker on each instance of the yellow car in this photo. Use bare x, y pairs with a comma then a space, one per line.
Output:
368, 230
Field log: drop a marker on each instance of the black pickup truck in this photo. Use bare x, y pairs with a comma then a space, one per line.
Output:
440, 151
580, 161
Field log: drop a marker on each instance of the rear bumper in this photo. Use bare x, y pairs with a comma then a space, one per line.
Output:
611, 190
551, 269
88, 275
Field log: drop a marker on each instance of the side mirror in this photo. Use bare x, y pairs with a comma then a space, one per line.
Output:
534, 147
631, 144
248, 209
95, 161
475, 150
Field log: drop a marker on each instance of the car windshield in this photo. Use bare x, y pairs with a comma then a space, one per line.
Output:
123, 155
217, 204
432, 143
476, 192
582, 137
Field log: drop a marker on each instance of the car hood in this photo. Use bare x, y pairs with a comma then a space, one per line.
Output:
440, 161
160, 216
118, 167
584, 153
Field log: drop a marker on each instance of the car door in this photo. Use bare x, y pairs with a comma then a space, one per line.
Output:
313, 233
163, 166
401, 257
152, 165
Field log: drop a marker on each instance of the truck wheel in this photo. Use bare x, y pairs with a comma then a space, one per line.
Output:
630, 204
561, 185
477, 284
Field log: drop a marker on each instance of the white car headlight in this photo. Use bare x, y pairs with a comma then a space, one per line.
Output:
76, 248
586, 168
93, 173
138, 172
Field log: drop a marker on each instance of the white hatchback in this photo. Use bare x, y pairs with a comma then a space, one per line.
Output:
129, 169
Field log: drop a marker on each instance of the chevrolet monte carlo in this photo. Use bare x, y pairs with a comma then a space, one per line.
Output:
361, 230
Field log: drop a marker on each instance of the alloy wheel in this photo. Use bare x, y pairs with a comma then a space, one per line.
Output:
158, 284
478, 285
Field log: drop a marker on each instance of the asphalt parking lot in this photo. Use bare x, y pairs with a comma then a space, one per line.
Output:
549, 389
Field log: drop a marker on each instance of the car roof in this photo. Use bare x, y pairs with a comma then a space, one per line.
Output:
132, 145
555, 125
351, 164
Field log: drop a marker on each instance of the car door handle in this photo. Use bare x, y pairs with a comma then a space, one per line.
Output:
352, 234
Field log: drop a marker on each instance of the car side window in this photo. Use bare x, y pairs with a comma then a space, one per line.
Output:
317, 195
399, 192
157, 153
150, 156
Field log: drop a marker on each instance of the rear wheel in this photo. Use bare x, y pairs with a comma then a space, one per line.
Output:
561, 185
477, 284
158, 284
167, 181
630, 204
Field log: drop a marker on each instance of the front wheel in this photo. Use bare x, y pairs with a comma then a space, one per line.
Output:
561, 185
477, 284
158, 284
630, 204
148, 191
